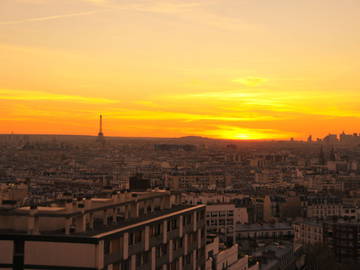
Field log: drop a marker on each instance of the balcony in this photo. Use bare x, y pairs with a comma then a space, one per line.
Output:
174, 234
136, 248
156, 240
113, 258
178, 253
188, 228
201, 224
144, 267
188, 267
162, 260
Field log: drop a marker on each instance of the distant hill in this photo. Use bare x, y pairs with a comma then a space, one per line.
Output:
194, 138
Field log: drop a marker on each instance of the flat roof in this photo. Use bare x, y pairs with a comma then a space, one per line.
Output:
130, 224
105, 204
107, 231
262, 227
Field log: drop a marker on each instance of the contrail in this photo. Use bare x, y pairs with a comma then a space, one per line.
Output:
48, 18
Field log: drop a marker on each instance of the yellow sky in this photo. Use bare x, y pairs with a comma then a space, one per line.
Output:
238, 69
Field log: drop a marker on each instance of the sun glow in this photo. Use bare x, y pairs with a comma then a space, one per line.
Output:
233, 133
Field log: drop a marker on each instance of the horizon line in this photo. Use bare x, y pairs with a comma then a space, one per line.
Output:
150, 137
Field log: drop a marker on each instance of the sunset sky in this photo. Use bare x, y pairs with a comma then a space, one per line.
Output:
236, 69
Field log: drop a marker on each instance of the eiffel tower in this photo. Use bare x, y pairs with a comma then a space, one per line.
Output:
100, 137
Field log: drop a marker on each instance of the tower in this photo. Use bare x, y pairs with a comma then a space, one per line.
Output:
100, 137
101, 134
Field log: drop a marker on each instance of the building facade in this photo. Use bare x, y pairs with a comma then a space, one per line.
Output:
125, 232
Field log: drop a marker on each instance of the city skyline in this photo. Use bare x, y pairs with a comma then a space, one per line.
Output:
218, 69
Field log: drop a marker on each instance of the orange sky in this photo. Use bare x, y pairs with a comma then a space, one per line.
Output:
237, 69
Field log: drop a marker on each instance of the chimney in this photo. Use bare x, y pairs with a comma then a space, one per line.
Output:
33, 221
69, 204
88, 203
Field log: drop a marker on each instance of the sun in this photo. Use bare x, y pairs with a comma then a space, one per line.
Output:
237, 133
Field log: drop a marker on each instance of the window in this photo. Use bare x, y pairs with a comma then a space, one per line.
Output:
173, 265
107, 246
142, 258
158, 252
138, 237
125, 265
187, 219
178, 243
162, 250
188, 259
146, 256
174, 223
138, 260
131, 238
155, 230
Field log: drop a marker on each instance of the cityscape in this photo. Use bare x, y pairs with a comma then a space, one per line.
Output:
102, 202
179, 135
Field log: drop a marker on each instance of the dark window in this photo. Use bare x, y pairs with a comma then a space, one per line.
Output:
125, 265
107, 246
138, 236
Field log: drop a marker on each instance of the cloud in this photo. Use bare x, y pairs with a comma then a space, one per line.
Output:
96, 1
244, 99
195, 11
251, 81
283, 104
49, 18
187, 117
167, 7
21, 95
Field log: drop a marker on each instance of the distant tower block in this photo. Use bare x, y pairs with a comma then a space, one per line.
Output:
100, 137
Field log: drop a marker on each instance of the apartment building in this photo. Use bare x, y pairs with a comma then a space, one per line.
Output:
220, 219
308, 232
279, 256
322, 208
220, 257
342, 237
149, 230
263, 231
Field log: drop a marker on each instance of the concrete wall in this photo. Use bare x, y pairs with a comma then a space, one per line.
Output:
6, 251
51, 224
241, 215
61, 254
227, 257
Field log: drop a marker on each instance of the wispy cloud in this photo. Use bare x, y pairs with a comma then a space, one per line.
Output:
96, 1
22, 95
251, 81
290, 103
187, 117
189, 10
48, 18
